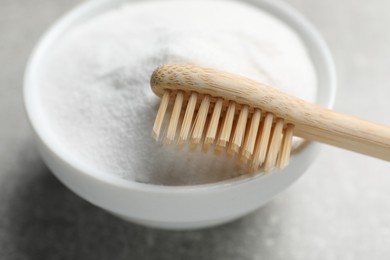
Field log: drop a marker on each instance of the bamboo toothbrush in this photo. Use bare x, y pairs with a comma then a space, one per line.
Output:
253, 121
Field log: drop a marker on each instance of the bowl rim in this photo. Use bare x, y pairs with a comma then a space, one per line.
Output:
76, 14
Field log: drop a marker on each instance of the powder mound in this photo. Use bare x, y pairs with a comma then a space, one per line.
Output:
95, 86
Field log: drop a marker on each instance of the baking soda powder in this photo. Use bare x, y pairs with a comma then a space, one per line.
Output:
96, 95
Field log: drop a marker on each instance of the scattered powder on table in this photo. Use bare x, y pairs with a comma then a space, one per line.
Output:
95, 87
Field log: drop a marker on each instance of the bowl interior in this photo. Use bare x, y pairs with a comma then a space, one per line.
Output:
316, 47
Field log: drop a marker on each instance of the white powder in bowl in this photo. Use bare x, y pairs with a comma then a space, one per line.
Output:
95, 87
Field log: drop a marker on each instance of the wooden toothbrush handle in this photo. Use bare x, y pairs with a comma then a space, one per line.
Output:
311, 121
344, 131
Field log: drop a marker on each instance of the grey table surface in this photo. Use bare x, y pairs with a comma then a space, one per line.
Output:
340, 209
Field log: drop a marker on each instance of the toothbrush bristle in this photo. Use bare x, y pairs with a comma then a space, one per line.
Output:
257, 139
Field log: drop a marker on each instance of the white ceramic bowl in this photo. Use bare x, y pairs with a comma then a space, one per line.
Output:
173, 207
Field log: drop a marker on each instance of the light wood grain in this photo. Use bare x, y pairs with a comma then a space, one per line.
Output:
311, 121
